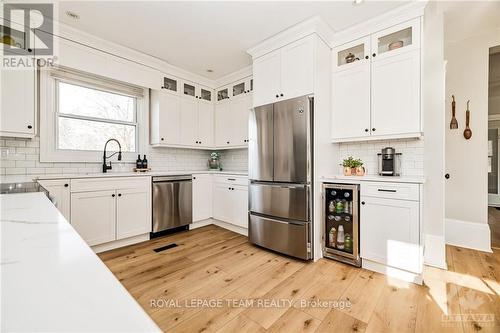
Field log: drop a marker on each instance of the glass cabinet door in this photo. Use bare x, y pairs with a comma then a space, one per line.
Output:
189, 89
205, 95
222, 94
352, 53
238, 89
397, 39
169, 84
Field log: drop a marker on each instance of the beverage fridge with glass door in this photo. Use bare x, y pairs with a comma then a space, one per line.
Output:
341, 223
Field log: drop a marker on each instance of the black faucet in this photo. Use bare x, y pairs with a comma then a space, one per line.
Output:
105, 167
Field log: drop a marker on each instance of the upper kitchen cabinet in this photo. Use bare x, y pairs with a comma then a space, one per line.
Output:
240, 88
18, 95
222, 94
171, 85
165, 117
376, 93
284, 73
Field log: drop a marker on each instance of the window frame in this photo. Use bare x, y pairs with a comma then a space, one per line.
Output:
49, 121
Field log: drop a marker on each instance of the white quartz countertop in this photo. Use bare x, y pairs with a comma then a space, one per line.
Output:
372, 178
51, 279
30, 178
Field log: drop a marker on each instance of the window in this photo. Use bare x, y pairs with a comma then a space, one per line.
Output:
88, 117
79, 112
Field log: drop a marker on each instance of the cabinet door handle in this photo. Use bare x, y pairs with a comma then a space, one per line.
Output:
374, 55
113, 195
383, 190
367, 57
119, 194
30, 127
162, 139
362, 202
447, 176
66, 185
277, 96
281, 94
366, 129
374, 129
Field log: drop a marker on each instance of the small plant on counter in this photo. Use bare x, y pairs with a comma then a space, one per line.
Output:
353, 167
214, 161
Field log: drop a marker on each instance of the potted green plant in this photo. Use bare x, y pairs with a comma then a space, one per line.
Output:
353, 166
214, 161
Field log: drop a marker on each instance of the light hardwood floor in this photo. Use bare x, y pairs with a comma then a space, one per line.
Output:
211, 264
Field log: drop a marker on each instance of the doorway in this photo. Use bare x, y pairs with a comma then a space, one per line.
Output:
493, 145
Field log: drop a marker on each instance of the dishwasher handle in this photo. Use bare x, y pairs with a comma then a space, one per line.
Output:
169, 179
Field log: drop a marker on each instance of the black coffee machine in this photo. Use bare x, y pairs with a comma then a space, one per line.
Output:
389, 162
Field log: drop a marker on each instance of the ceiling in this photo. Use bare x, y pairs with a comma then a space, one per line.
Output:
205, 35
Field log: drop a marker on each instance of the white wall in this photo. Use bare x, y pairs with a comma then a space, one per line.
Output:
466, 160
433, 77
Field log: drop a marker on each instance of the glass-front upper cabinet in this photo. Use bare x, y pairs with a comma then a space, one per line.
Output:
222, 94
397, 39
189, 89
205, 94
352, 53
238, 89
170, 84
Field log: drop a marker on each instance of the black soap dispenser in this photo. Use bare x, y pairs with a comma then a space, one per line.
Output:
138, 163
145, 162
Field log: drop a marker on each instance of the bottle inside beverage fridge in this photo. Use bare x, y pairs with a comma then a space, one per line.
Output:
340, 238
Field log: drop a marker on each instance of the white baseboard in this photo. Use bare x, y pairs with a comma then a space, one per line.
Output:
435, 251
222, 224
199, 224
471, 235
120, 243
392, 272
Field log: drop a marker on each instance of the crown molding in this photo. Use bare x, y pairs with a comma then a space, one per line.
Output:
314, 25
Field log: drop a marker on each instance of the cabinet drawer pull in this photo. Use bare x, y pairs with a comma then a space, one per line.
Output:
113, 195
233, 179
66, 185
382, 190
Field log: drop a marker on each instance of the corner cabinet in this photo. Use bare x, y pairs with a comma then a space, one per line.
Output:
376, 85
284, 73
59, 193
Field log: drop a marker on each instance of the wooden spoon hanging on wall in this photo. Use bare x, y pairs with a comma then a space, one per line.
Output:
467, 131
453, 122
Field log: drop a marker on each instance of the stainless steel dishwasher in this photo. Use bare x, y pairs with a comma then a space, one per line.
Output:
172, 202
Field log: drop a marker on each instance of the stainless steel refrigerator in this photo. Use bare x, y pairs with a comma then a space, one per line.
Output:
280, 172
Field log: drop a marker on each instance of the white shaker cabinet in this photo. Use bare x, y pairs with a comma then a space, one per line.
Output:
17, 101
93, 215
202, 197
230, 200
205, 122
395, 96
284, 73
165, 118
59, 193
133, 215
390, 226
231, 121
189, 121
239, 204
376, 85
221, 202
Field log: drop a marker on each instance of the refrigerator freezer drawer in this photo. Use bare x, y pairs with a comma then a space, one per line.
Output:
280, 200
284, 237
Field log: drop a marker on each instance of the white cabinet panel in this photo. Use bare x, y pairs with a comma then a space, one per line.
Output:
239, 204
202, 197
351, 102
390, 232
239, 117
395, 100
17, 101
267, 78
133, 212
221, 202
59, 193
165, 118
223, 125
189, 121
93, 216
206, 124
297, 68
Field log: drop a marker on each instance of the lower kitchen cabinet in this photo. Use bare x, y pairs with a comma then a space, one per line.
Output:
132, 212
202, 197
390, 232
93, 215
59, 193
230, 201
104, 210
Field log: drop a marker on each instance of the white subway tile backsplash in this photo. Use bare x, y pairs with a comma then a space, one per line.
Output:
411, 159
